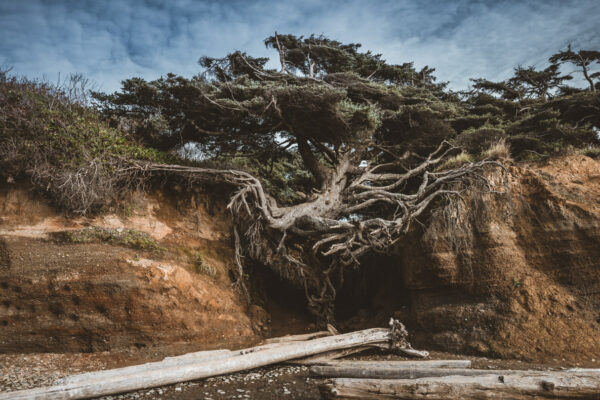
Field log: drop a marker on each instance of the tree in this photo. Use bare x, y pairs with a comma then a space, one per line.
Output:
526, 83
348, 116
538, 83
584, 59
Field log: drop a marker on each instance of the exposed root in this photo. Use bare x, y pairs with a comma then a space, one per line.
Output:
311, 244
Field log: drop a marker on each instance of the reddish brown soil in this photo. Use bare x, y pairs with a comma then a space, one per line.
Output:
70, 297
525, 283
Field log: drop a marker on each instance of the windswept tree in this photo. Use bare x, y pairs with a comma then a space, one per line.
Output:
367, 136
538, 83
526, 83
584, 59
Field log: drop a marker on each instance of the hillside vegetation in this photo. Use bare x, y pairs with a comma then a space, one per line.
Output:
330, 159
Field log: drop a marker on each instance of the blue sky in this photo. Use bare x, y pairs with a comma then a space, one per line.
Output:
109, 41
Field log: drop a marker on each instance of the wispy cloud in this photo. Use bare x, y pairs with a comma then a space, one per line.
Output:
109, 41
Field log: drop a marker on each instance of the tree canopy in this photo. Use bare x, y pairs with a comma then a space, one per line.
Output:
339, 151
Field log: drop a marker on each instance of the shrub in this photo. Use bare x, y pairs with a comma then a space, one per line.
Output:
202, 267
120, 237
457, 160
63, 146
497, 151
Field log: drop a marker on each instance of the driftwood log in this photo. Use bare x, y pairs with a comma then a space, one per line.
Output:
251, 358
394, 369
517, 385
324, 358
298, 338
177, 361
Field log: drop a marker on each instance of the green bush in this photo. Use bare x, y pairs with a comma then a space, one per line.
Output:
63, 146
119, 237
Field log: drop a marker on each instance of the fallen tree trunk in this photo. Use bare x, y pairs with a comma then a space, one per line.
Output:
336, 354
176, 361
166, 376
297, 338
387, 370
518, 385
394, 369
407, 351
328, 356
413, 353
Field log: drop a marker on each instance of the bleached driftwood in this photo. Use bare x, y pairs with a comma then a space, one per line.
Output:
203, 369
336, 354
413, 353
518, 385
584, 370
184, 359
329, 356
297, 338
407, 351
394, 369
175, 361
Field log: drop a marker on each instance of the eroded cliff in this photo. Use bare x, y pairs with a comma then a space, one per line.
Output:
516, 276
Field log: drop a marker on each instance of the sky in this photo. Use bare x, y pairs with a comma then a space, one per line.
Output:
108, 41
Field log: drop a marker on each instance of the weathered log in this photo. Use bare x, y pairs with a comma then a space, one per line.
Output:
394, 369
407, 351
518, 385
296, 338
413, 352
390, 371
584, 370
336, 354
171, 375
184, 359
329, 356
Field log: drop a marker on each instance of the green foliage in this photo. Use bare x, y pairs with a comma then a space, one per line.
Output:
202, 267
284, 177
517, 283
285, 126
63, 146
119, 237
328, 94
456, 161
476, 140
586, 60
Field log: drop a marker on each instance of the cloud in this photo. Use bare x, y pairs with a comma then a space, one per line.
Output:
114, 40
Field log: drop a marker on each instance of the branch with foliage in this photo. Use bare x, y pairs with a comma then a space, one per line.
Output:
331, 156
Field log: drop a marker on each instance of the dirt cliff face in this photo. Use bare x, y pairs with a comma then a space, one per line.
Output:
157, 275
519, 277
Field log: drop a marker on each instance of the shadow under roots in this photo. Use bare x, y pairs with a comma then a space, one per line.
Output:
372, 293
285, 303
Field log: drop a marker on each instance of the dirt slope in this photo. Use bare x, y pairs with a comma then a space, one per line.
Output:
519, 277
169, 287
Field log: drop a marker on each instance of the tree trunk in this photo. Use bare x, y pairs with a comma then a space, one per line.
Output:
279, 352
586, 75
518, 385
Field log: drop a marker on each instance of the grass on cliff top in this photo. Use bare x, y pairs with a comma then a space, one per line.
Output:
64, 147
